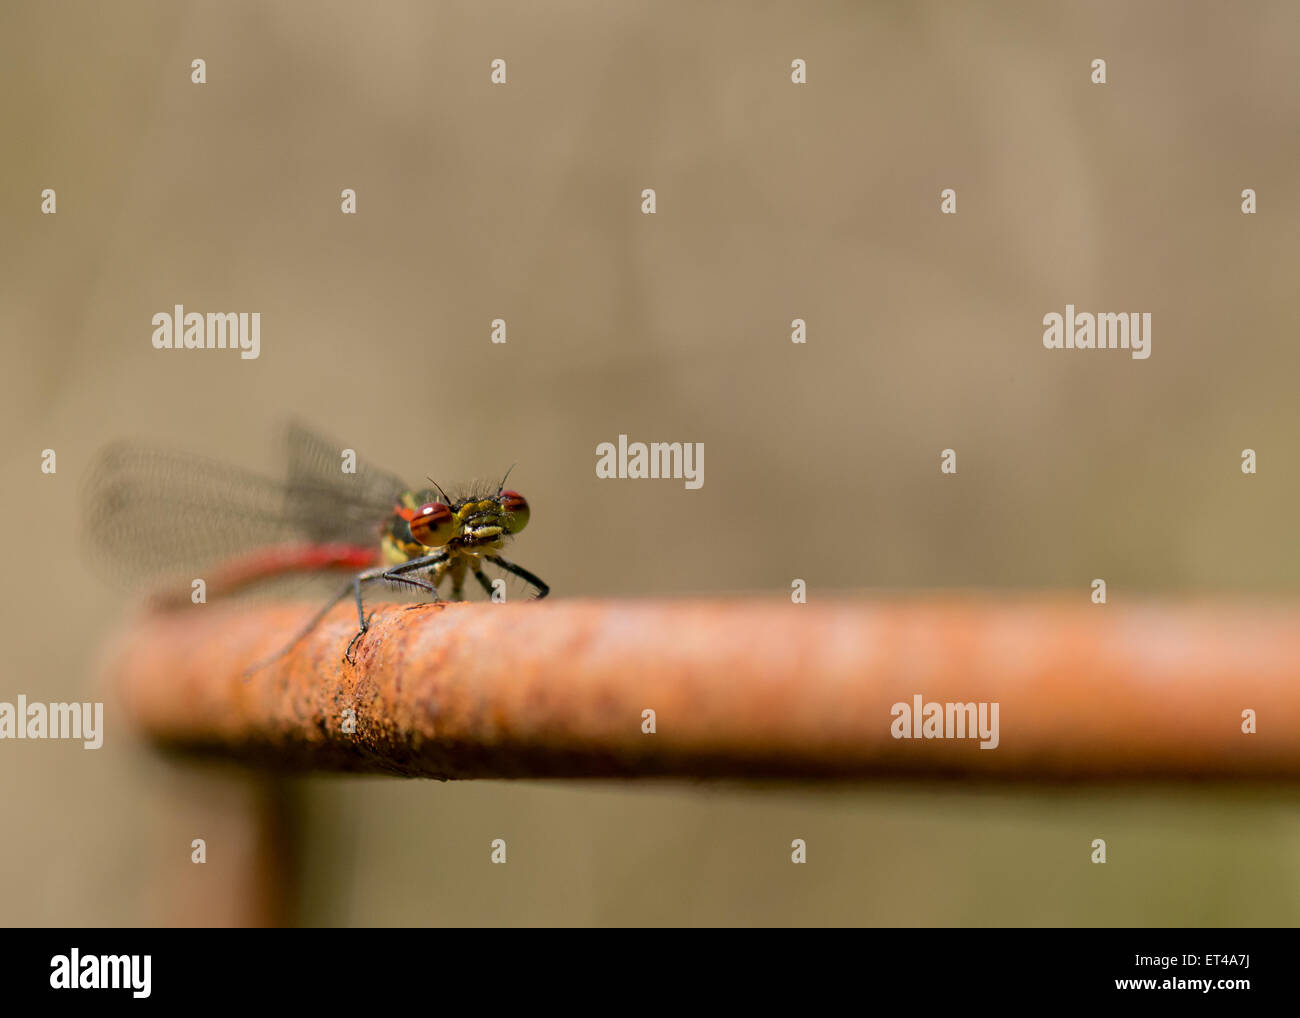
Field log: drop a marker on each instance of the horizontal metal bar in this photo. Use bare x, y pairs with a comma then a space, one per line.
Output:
746, 688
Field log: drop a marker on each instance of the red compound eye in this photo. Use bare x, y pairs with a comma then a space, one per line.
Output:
515, 507
433, 525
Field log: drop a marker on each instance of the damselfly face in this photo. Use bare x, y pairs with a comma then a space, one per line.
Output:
466, 527
475, 522
451, 538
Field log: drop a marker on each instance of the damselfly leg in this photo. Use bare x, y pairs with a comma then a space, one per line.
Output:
538, 584
389, 574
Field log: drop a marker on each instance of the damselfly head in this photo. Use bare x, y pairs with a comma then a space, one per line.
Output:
473, 519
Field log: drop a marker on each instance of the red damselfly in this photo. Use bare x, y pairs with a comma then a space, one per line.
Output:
153, 513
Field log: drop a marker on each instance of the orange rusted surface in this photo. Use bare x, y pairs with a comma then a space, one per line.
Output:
746, 688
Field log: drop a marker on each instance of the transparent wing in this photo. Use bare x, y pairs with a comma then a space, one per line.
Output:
149, 513
316, 478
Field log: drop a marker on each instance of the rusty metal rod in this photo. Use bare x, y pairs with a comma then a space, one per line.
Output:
744, 688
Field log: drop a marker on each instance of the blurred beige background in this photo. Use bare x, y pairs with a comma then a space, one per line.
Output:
774, 202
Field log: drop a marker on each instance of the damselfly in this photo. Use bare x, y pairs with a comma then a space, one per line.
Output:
152, 512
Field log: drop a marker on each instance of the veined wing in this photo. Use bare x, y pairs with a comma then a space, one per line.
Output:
316, 478
150, 513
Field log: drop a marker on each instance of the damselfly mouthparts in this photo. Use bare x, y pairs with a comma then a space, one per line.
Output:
152, 512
